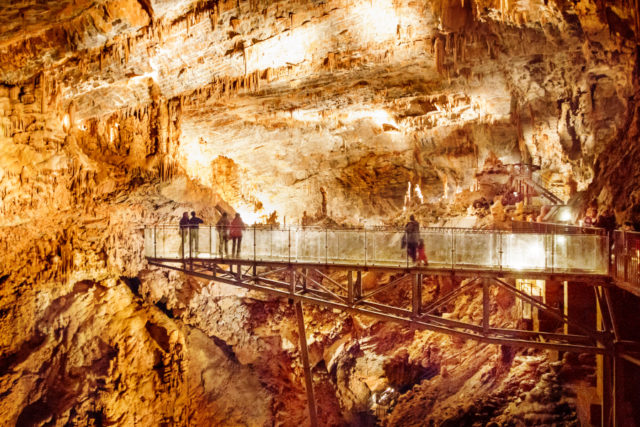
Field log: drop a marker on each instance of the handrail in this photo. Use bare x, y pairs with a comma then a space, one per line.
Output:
549, 227
369, 228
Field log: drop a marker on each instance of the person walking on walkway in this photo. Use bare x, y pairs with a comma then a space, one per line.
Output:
412, 230
194, 235
222, 227
237, 226
184, 231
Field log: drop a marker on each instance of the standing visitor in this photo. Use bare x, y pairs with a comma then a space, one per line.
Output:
184, 230
412, 230
236, 235
194, 236
222, 227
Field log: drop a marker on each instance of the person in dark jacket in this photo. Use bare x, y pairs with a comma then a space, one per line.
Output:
222, 226
412, 232
184, 231
194, 234
235, 232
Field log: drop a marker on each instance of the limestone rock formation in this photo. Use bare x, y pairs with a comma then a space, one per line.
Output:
116, 114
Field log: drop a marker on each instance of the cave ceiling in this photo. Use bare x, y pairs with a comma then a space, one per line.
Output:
321, 85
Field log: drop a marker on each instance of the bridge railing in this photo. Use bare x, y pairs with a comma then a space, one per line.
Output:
444, 247
553, 228
625, 259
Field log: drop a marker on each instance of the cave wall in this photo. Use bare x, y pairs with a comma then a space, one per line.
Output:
118, 114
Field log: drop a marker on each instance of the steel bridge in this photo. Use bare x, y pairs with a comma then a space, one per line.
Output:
302, 264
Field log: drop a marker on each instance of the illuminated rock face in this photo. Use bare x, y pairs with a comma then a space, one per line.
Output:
115, 114
362, 95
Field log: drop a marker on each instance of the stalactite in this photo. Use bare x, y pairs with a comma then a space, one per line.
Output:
43, 92
439, 55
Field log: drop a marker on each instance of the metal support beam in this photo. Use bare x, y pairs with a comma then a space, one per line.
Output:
485, 306
605, 372
305, 273
607, 390
313, 415
292, 283
416, 294
317, 294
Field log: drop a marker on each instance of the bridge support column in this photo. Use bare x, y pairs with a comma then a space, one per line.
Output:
416, 294
292, 283
313, 415
485, 305
608, 369
350, 287
358, 288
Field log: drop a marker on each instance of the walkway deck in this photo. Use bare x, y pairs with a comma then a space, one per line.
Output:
295, 263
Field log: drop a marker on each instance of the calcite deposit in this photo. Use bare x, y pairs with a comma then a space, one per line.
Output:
119, 114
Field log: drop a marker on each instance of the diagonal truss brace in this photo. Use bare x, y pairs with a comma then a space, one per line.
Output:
308, 285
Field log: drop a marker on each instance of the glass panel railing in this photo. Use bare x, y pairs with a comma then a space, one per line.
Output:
384, 248
200, 242
345, 247
309, 245
169, 242
476, 249
272, 244
149, 246
445, 248
625, 266
438, 246
580, 253
245, 245
524, 252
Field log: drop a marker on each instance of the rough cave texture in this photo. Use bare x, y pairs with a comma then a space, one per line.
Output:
115, 114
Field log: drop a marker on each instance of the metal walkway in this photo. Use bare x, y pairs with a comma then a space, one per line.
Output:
296, 263
327, 268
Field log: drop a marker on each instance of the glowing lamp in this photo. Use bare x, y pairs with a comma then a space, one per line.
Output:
66, 122
565, 215
533, 288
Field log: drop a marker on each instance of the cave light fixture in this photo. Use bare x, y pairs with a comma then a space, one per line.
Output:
250, 215
419, 193
66, 123
533, 288
566, 215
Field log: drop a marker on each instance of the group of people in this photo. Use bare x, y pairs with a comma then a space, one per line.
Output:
226, 230
230, 230
189, 230
414, 244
